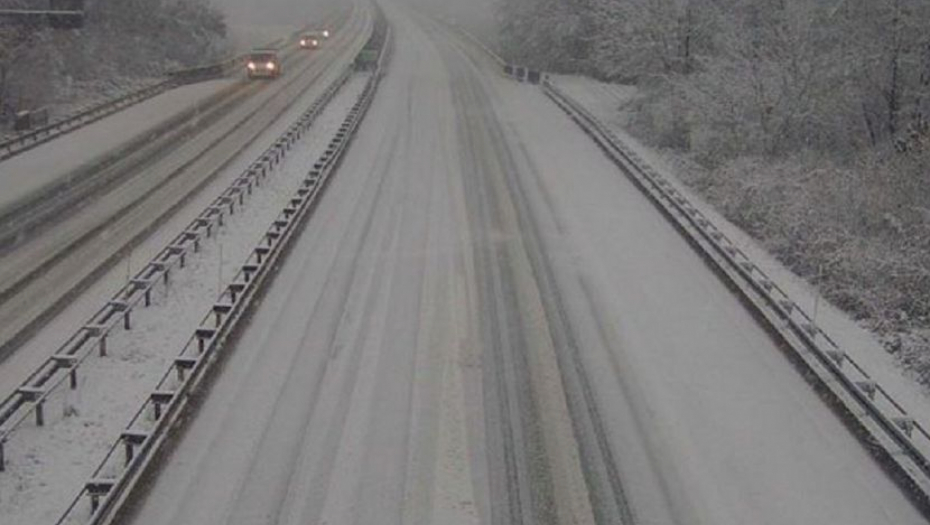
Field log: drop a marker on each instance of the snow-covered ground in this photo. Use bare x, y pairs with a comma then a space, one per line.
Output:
607, 101
485, 322
109, 221
46, 466
34, 170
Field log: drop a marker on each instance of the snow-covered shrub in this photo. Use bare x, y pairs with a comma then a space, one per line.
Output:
860, 232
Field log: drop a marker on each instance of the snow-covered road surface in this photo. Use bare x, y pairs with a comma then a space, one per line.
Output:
50, 264
46, 466
485, 322
608, 102
34, 170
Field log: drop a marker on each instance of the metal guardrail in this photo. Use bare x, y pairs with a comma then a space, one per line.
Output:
194, 75
900, 442
62, 367
126, 462
34, 211
35, 392
25, 141
28, 140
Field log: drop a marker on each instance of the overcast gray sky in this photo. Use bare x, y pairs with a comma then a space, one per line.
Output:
267, 12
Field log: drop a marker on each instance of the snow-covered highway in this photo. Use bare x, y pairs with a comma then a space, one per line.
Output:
485, 322
69, 234
46, 467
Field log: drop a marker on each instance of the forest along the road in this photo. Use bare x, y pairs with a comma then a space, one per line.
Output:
484, 322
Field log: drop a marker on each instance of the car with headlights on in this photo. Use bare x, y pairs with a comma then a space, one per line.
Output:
309, 41
264, 63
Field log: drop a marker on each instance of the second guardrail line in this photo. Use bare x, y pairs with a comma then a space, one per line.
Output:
884, 426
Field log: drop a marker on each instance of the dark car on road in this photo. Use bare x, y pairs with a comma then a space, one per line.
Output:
264, 63
309, 41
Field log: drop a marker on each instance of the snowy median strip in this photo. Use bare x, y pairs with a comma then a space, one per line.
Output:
126, 462
884, 427
28, 401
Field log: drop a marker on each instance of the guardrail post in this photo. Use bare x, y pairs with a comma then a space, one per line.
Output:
2, 457
766, 284
159, 399
811, 329
195, 238
230, 203
97, 489
69, 362
203, 334
205, 223
248, 270
218, 212
35, 395
870, 388
235, 289
130, 441
219, 310
99, 332
122, 306
906, 424
144, 284
164, 268
178, 252
183, 364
